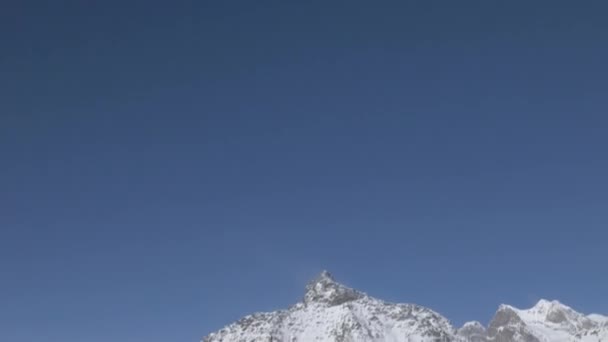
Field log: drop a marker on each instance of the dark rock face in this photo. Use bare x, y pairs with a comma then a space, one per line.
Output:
473, 332
324, 289
556, 316
504, 316
507, 326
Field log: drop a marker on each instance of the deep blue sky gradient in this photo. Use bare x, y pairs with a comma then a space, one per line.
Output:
167, 167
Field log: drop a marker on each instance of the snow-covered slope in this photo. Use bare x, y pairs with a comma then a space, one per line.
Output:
331, 311
549, 321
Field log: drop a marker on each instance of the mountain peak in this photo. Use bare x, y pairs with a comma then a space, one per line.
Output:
545, 304
555, 312
325, 290
552, 310
473, 324
325, 275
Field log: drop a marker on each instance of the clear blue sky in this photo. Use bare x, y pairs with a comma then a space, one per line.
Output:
169, 167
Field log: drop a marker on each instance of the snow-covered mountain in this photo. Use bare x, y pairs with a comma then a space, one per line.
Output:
331, 311
547, 321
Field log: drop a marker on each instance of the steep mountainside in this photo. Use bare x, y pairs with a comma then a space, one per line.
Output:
331, 311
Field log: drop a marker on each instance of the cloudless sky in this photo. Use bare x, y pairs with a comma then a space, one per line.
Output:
168, 167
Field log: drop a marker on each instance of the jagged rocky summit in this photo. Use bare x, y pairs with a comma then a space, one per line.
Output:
332, 312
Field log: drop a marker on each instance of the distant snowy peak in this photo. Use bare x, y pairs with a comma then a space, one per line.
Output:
546, 321
333, 312
552, 311
598, 318
556, 314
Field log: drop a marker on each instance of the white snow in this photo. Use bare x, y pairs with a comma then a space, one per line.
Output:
333, 312
552, 321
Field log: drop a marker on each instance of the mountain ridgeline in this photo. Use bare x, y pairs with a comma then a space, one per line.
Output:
332, 312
